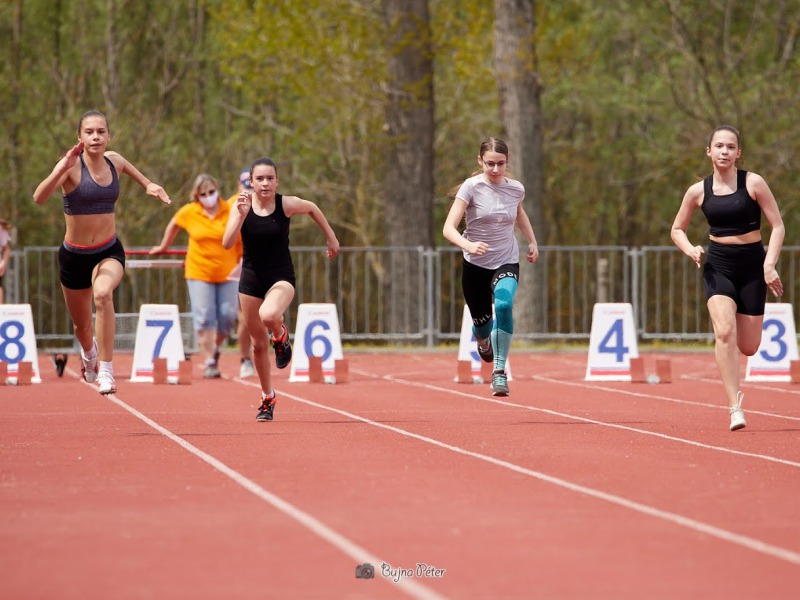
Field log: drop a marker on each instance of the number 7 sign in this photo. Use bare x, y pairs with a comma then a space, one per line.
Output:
158, 335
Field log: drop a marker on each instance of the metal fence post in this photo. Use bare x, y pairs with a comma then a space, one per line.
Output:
429, 300
633, 255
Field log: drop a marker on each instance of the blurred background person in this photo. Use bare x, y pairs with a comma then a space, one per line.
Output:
208, 266
246, 368
5, 254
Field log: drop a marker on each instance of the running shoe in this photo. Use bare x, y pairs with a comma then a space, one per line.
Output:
60, 361
246, 369
499, 383
211, 371
283, 350
267, 408
89, 367
106, 383
485, 350
737, 414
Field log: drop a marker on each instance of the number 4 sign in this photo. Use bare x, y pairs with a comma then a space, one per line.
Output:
316, 334
778, 348
612, 343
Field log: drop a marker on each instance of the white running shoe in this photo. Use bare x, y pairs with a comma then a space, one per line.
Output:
89, 367
106, 383
737, 414
246, 369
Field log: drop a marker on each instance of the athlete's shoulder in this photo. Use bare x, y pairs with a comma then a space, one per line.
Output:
116, 159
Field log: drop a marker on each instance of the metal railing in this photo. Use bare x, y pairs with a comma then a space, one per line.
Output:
413, 295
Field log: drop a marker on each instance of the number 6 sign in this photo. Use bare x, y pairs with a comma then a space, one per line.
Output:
316, 334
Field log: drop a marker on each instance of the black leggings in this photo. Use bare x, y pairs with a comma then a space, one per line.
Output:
478, 286
737, 271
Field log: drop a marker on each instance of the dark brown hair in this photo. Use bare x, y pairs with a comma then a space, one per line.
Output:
491, 144
92, 113
263, 161
734, 131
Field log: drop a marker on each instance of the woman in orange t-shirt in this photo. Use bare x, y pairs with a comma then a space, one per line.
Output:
213, 296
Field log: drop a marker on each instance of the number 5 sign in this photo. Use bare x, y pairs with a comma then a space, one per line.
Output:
778, 347
612, 343
17, 339
316, 334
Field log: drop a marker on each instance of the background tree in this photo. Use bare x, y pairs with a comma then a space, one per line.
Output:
519, 89
409, 188
628, 90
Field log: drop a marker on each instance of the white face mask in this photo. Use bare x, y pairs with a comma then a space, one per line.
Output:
210, 201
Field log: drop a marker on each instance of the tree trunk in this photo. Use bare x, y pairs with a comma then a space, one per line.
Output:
520, 88
410, 127
111, 79
15, 154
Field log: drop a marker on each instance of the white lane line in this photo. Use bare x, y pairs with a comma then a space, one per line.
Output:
782, 461
591, 386
692, 524
357, 553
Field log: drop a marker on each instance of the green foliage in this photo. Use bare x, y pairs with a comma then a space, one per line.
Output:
630, 92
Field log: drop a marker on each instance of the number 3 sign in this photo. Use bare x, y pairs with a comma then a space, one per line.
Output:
316, 334
778, 348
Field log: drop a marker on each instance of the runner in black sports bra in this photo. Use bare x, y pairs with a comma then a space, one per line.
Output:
737, 270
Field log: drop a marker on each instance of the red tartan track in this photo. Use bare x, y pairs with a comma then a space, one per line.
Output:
565, 489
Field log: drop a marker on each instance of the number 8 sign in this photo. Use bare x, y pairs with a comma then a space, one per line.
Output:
316, 334
17, 339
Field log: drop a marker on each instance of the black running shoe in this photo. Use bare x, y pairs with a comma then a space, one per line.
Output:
267, 409
485, 352
283, 352
60, 361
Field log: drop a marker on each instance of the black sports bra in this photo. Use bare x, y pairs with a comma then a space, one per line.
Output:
731, 214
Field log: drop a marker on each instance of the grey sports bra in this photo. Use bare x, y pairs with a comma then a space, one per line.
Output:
89, 198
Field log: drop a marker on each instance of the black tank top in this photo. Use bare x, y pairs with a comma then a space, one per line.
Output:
731, 214
91, 198
265, 240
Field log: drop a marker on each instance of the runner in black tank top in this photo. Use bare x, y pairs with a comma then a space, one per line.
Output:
266, 259
266, 286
